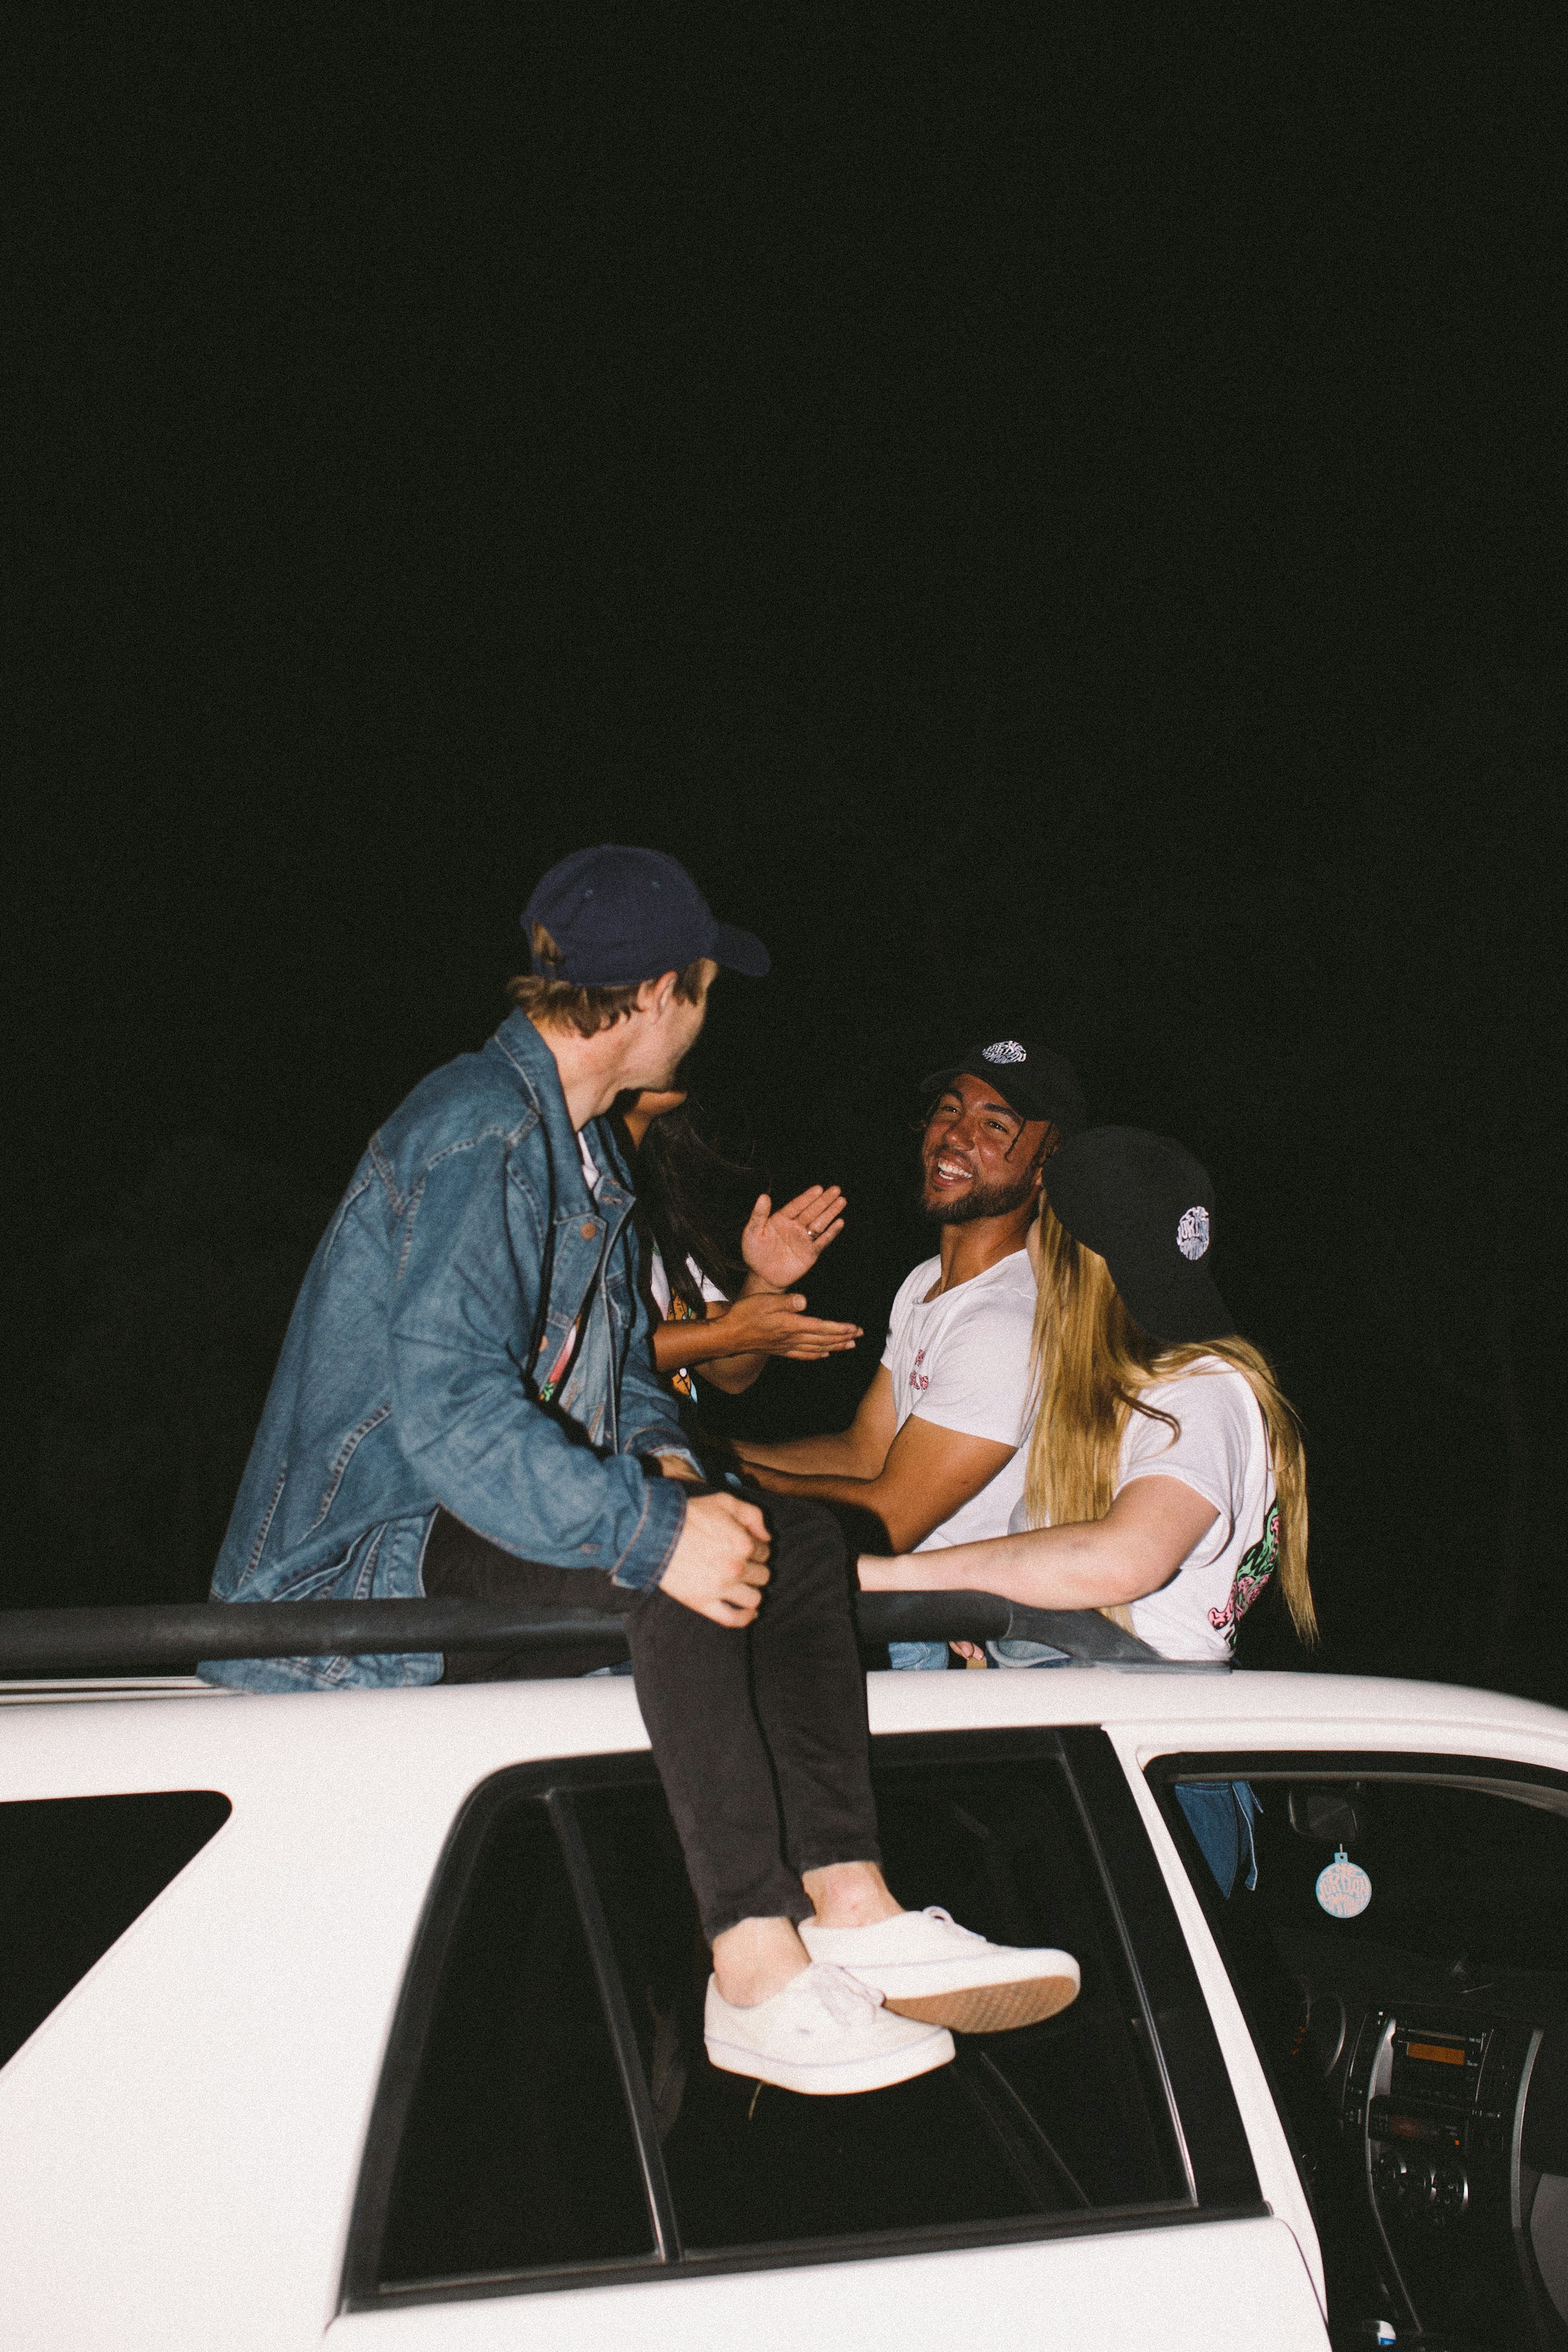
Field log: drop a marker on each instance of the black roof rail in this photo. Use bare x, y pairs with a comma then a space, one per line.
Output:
37, 1644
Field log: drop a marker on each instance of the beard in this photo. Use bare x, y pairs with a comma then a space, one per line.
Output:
980, 1201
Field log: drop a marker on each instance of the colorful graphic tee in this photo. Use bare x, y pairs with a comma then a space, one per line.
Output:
1222, 1454
676, 1309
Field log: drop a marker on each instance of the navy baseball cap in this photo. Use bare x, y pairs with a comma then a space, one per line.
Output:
1146, 1206
1032, 1076
621, 916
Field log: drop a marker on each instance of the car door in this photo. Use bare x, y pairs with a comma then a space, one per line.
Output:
551, 2159
1391, 1908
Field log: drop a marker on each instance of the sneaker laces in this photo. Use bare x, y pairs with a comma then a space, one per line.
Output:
844, 1997
935, 1911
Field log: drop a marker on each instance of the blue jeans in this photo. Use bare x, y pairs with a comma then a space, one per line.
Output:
917, 1657
927, 1657
1220, 1814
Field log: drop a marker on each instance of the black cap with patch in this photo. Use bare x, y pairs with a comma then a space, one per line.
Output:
1146, 1206
1032, 1079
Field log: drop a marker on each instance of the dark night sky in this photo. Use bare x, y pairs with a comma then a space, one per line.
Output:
1040, 512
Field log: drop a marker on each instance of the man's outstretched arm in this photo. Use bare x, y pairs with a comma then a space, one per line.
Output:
928, 1473
858, 1451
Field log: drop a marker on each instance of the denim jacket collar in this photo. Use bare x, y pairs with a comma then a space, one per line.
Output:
520, 1043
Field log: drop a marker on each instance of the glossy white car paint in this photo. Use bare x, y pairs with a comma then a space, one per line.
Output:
1200, 2289
180, 2140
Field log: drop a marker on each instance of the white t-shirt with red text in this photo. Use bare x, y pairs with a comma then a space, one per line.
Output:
961, 1361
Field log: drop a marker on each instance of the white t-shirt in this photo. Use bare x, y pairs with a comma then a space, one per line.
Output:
1222, 1454
963, 1363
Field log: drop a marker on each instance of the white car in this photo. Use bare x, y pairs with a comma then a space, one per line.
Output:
371, 2020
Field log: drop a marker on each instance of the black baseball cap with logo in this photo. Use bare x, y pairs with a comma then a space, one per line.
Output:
621, 916
1146, 1206
1031, 1077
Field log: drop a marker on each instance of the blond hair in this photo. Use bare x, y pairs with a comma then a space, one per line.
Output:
1091, 1363
564, 1005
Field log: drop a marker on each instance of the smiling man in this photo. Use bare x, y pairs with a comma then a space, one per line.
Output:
933, 1450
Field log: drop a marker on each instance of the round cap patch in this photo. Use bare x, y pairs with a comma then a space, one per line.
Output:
1193, 1232
1344, 1890
1007, 1050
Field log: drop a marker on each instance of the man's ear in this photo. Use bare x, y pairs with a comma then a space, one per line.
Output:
654, 995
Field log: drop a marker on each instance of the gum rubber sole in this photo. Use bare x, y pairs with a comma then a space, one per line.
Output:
989, 2009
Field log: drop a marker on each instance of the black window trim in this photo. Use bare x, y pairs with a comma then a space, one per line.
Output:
1181, 2036
1481, 1774
1204, 2118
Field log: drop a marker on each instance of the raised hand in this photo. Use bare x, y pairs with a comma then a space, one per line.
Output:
781, 1246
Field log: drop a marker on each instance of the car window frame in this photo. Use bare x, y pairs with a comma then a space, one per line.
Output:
1172, 2018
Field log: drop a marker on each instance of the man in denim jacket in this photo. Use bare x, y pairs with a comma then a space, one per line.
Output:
466, 1403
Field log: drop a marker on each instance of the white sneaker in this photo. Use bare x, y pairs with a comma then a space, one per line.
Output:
925, 1965
824, 2033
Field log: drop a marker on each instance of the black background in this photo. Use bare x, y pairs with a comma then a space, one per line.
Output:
1057, 518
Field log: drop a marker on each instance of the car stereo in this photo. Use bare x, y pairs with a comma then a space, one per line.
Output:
1430, 2068
1433, 2103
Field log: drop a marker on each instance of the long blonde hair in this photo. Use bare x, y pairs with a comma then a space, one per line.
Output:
1091, 1363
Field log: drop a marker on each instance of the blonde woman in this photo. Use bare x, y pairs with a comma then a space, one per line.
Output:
1166, 1481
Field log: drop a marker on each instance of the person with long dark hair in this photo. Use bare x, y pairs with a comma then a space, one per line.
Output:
720, 1278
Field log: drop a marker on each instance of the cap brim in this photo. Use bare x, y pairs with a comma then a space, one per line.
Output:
1181, 1315
935, 1080
741, 951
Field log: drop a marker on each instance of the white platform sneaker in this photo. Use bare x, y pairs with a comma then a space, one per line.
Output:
824, 2035
926, 1965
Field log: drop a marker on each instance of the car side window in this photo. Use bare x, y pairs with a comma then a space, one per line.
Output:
74, 1873
1057, 2118
516, 2152
551, 2042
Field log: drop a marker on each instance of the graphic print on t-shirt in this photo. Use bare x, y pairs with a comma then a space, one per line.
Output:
919, 1380
1256, 1568
680, 1310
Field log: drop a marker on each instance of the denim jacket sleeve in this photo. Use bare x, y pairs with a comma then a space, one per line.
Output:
465, 1303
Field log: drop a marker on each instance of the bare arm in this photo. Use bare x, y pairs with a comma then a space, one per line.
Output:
927, 1474
738, 1336
780, 1247
1138, 1545
858, 1451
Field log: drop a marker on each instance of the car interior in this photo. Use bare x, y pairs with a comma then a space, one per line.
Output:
1403, 1962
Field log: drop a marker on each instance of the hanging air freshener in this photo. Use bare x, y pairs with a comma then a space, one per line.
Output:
1344, 1890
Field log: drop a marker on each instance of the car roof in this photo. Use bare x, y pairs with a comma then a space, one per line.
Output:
110, 1734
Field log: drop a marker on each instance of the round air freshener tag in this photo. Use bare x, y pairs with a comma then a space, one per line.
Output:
1344, 1890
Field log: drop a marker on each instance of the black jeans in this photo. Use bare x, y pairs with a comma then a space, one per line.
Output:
760, 1737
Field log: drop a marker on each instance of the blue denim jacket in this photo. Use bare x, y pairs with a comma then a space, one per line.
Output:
441, 1295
